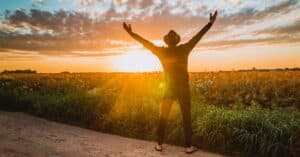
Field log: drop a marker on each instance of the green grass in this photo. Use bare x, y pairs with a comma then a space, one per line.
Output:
257, 114
254, 130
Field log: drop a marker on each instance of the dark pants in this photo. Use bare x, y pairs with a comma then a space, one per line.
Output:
182, 94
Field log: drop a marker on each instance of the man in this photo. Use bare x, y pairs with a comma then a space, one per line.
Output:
174, 59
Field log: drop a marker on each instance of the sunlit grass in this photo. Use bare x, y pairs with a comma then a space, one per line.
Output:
242, 113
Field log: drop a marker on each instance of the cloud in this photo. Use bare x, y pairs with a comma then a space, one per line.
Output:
25, 54
40, 1
59, 21
65, 32
292, 29
89, 2
241, 42
252, 15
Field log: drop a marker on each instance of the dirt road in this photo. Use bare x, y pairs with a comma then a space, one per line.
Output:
22, 135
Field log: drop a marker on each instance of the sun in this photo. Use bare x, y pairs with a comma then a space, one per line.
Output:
137, 62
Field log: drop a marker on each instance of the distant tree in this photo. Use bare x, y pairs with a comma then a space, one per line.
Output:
65, 72
26, 71
266, 70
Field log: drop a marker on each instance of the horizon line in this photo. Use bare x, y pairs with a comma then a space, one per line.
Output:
158, 71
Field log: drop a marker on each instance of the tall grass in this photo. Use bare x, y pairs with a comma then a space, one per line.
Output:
246, 113
254, 130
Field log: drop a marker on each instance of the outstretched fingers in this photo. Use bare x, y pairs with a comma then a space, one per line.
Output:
215, 14
127, 27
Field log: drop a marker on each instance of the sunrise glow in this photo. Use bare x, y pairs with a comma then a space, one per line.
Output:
137, 62
87, 35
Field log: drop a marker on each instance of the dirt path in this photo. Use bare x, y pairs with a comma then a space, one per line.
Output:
25, 135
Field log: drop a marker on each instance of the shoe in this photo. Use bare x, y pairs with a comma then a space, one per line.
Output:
158, 147
190, 150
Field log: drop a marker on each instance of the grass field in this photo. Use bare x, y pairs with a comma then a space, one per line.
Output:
236, 113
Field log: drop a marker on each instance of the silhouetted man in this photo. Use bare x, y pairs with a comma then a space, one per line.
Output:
174, 59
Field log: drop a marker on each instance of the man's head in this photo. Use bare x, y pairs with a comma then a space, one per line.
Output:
172, 38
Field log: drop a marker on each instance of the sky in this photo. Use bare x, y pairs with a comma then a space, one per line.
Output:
87, 35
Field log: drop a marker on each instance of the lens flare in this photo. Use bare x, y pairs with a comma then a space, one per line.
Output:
137, 62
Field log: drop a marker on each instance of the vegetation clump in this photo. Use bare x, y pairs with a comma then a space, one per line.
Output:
237, 113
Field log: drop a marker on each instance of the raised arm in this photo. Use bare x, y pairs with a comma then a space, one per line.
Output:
140, 39
192, 43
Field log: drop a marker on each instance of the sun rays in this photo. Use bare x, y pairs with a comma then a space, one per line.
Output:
137, 62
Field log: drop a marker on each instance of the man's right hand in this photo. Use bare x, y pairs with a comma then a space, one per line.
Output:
127, 27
